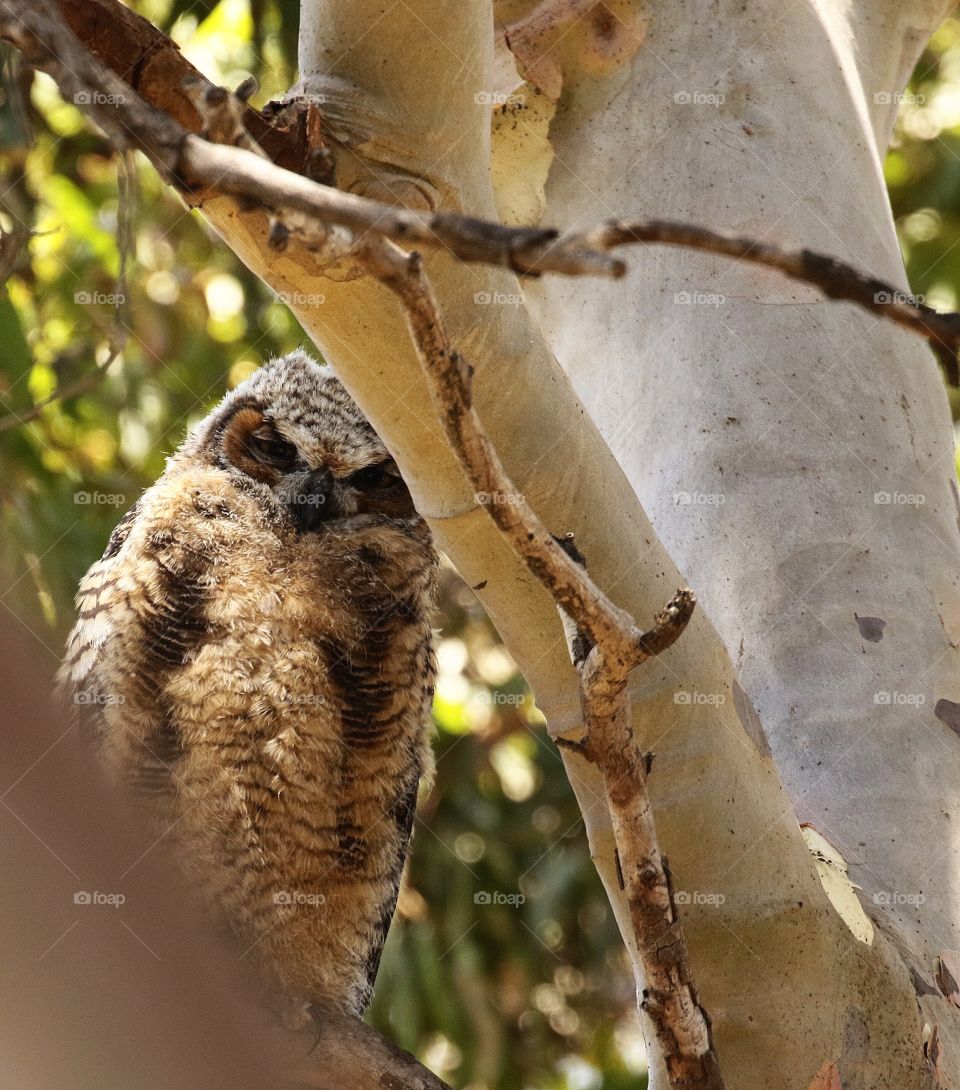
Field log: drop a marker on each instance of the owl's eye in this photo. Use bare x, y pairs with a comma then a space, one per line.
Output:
381, 475
272, 450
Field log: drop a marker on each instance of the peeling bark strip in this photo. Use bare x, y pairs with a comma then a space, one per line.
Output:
947, 972
827, 1078
151, 64
161, 124
933, 1053
536, 39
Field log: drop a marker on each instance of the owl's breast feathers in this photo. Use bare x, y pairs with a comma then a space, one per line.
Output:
269, 693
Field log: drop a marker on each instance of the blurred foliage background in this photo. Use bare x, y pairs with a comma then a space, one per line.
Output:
503, 968
922, 171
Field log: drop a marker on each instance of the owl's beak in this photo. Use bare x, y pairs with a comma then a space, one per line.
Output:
311, 499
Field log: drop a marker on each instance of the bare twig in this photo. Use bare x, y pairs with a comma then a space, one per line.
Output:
126, 237
201, 168
836, 279
669, 996
117, 333
11, 246
606, 646
16, 234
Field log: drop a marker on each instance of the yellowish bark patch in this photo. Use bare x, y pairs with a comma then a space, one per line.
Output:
832, 868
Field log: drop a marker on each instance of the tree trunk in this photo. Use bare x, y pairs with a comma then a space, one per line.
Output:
795, 456
788, 986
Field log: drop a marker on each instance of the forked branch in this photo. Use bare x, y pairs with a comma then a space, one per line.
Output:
606, 646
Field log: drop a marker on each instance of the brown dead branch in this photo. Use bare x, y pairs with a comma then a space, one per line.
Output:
836, 279
607, 646
148, 96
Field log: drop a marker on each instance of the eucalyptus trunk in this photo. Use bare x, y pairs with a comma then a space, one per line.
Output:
698, 422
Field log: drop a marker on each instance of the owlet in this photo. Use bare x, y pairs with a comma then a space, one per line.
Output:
253, 653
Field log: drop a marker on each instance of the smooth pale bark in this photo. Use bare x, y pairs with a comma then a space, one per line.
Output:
764, 427
787, 985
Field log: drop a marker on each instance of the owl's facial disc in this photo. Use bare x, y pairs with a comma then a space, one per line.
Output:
318, 487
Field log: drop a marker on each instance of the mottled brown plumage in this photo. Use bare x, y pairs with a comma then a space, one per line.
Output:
253, 652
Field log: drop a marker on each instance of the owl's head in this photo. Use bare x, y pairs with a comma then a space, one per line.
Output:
293, 430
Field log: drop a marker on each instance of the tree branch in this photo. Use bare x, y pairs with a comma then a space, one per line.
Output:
669, 997
618, 644
349, 1053
449, 377
836, 279
606, 647
291, 133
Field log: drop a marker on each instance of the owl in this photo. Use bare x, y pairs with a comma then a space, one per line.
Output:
253, 659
